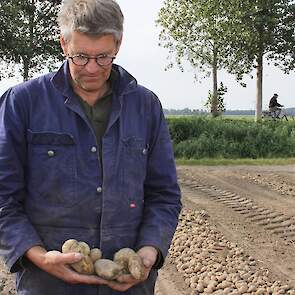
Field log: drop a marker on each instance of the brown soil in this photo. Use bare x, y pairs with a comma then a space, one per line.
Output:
253, 207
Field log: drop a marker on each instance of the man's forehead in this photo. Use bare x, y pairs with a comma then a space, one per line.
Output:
82, 43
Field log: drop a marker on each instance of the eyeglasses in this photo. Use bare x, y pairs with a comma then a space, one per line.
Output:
101, 60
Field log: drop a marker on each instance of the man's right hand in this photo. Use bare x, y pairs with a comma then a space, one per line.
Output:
57, 264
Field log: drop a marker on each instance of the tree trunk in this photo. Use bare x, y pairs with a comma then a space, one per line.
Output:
27, 57
259, 87
214, 103
25, 69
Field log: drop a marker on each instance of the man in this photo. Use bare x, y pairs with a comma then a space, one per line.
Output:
274, 106
85, 153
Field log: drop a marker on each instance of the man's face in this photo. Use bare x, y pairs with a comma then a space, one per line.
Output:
91, 77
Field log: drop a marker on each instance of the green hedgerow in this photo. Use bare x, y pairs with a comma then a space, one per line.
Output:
203, 137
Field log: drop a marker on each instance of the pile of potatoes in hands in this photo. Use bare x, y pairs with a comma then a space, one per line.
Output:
126, 261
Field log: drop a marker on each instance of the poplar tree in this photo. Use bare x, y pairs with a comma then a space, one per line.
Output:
261, 30
193, 32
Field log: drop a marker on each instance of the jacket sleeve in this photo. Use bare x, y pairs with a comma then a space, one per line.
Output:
17, 234
162, 198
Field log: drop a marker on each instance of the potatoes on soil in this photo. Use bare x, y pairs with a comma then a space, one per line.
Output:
85, 265
210, 264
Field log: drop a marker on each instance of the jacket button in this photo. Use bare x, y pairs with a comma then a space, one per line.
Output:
99, 189
51, 153
93, 149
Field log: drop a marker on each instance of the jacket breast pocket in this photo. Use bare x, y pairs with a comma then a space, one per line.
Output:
135, 153
51, 170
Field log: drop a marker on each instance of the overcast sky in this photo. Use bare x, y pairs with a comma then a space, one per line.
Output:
146, 61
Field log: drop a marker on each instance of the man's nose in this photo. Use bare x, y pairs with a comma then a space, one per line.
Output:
92, 66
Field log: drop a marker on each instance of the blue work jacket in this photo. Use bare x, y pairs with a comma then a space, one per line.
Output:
52, 188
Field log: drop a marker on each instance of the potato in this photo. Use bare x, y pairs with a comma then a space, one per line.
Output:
122, 257
70, 246
107, 269
85, 265
95, 254
136, 267
130, 261
84, 248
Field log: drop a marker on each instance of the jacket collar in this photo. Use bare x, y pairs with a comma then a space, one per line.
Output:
61, 79
125, 82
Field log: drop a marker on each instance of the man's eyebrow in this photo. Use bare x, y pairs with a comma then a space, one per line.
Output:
78, 52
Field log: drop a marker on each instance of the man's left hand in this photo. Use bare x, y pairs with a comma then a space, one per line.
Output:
148, 255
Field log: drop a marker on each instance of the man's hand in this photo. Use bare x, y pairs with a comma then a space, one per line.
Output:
148, 255
57, 264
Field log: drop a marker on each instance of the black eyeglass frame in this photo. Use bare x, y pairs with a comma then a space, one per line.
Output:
87, 58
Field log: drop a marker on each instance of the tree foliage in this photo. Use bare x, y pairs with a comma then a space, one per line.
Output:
28, 36
261, 28
231, 34
192, 31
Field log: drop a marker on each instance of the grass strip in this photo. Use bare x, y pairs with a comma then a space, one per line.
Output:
223, 161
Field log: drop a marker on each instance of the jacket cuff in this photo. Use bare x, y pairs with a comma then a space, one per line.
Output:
160, 260
17, 263
160, 257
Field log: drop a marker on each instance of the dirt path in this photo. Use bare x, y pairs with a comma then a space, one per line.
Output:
252, 207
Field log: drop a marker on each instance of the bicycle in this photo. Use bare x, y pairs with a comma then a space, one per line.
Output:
273, 115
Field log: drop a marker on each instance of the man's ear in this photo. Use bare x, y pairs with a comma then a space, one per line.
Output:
119, 42
63, 45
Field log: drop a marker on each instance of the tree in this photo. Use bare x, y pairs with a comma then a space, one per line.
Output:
193, 32
261, 29
222, 89
28, 36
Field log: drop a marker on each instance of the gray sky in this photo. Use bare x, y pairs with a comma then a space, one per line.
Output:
145, 60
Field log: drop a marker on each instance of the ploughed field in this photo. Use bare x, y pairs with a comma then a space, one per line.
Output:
236, 233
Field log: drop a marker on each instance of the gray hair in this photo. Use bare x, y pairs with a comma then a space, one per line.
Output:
93, 17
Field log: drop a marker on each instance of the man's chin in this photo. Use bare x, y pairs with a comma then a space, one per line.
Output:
90, 86
90, 89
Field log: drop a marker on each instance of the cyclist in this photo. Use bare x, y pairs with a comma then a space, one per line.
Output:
274, 106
